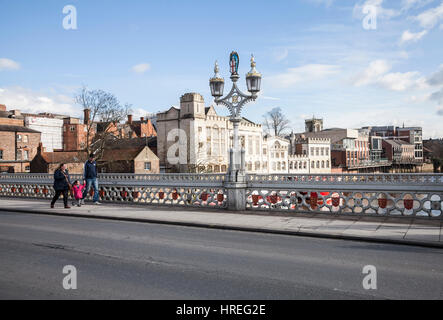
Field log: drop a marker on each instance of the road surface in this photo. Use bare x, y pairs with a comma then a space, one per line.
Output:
127, 260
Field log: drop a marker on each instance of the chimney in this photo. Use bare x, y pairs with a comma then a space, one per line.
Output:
142, 119
40, 148
129, 118
87, 114
2, 107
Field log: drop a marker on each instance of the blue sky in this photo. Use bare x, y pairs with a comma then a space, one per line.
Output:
315, 56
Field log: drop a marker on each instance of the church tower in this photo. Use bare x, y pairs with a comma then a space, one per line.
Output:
313, 125
192, 105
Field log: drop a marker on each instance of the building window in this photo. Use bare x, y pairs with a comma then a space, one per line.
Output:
19, 137
147, 165
26, 155
25, 138
313, 164
327, 163
72, 128
19, 155
1, 154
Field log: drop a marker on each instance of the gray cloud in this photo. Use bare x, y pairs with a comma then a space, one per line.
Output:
436, 78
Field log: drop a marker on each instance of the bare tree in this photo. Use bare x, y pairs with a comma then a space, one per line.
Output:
104, 107
276, 122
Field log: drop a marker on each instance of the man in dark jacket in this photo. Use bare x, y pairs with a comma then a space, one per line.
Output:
61, 185
90, 175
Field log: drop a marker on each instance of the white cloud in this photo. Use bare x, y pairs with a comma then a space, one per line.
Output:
269, 98
410, 4
141, 68
377, 74
382, 13
8, 64
408, 36
302, 74
280, 54
372, 73
34, 102
429, 18
402, 81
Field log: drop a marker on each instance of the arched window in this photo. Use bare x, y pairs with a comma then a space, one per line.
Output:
313, 164
323, 164
327, 163
279, 165
318, 164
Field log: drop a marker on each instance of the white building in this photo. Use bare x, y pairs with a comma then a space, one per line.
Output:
51, 129
194, 138
317, 151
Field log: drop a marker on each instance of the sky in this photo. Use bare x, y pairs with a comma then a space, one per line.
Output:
330, 58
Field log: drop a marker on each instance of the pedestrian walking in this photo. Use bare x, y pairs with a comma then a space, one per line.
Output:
77, 189
90, 175
62, 184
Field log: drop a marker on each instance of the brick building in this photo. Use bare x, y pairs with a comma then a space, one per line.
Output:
75, 132
10, 118
129, 159
137, 129
48, 162
18, 145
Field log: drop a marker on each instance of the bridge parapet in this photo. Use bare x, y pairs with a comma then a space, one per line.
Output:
418, 195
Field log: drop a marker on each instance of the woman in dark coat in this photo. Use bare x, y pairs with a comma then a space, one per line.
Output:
62, 183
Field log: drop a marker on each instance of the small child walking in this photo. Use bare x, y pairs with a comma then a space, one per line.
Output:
78, 192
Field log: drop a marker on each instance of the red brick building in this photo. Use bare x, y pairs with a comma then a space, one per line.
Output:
18, 146
75, 133
48, 162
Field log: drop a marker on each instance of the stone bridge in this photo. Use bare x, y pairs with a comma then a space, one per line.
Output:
418, 195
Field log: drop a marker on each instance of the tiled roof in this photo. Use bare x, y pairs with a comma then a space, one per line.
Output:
17, 129
121, 154
65, 156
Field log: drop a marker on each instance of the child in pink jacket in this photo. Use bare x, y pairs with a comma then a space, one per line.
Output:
77, 189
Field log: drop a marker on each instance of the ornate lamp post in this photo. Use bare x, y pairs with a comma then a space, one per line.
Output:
235, 100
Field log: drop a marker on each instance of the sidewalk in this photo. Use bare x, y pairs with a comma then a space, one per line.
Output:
398, 230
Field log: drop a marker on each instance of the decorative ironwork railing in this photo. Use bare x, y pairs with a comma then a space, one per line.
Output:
361, 194
157, 189
376, 194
